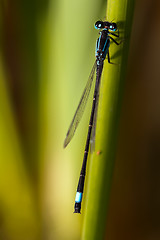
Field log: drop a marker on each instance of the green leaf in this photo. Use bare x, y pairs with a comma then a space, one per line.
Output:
110, 101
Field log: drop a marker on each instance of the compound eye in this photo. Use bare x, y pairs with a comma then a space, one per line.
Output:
113, 26
98, 25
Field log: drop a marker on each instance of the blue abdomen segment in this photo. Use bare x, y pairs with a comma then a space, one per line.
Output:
78, 198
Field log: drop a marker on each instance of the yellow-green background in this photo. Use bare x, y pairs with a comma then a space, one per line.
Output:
46, 53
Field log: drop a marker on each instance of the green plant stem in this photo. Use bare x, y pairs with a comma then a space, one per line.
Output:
111, 92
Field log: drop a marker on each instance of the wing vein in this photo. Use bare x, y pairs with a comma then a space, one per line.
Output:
81, 107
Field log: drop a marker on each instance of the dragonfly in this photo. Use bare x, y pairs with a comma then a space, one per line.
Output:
107, 30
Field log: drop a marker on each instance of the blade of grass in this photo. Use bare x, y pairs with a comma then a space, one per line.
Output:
111, 91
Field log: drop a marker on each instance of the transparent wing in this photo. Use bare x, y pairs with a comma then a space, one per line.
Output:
80, 109
93, 134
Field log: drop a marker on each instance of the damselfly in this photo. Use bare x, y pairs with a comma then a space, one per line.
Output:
102, 49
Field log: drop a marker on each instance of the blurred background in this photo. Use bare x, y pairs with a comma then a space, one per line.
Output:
46, 53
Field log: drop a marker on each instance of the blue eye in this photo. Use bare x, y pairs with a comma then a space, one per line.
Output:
113, 26
98, 25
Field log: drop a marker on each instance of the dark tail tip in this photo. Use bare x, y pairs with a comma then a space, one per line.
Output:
77, 210
77, 207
